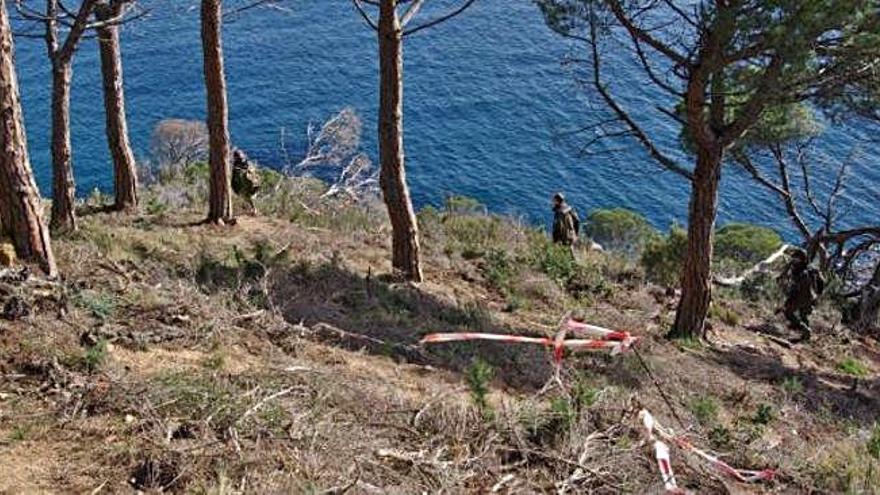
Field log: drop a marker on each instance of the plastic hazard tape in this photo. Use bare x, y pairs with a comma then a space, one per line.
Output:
656, 433
602, 339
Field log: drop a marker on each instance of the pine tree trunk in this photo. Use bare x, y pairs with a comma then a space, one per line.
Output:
696, 276
220, 187
124, 165
392, 177
63, 188
21, 213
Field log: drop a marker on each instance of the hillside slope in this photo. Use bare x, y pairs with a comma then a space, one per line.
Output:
278, 356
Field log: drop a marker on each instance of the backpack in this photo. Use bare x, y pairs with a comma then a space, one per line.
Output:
575, 221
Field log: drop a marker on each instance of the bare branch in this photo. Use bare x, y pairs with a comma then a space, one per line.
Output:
79, 27
440, 19
411, 12
645, 36
252, 5
624, 116
364, 14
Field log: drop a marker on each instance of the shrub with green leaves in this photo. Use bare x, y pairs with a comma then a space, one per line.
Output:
793, 385
563, 413
498, 268
764, 414
619, 229
705, 409
464, 205
473, 235
761, 286
553, 260
853, 367
663, 257
101, 305
724, 314
746, 243
95, 356
478, 378
874, 442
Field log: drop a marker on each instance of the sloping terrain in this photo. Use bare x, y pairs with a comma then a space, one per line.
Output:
278, 356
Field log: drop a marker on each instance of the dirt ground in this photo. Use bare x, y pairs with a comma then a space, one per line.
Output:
274, 356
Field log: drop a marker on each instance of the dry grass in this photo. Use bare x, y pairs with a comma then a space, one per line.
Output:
277, 356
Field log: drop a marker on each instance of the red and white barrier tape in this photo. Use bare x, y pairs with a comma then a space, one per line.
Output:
653, 430
615, 341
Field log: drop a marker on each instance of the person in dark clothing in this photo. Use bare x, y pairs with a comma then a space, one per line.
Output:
245, 178
565, 223
805, 285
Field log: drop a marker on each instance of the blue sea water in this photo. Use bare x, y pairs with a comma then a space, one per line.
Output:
487, 100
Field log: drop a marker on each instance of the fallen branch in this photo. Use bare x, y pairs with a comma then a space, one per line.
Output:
328, 334
760, 267
263, 402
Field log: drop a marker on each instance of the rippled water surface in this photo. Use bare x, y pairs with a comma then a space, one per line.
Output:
486, 102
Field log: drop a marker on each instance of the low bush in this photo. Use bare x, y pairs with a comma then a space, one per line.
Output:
663, 257
464, 205
745, 243
705, 409
478, 377
619, 229
853, 367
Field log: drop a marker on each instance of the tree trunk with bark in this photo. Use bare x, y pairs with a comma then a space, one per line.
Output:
124, 165
696, 276
220, 187
63, 187
406, 258
21, 211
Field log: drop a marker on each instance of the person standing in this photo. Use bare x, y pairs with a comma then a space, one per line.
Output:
565, 223
805, 285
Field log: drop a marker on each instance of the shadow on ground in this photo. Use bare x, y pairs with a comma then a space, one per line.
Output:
399, 315
822, 393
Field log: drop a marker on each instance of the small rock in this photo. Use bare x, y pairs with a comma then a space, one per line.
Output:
129, 419
15, 309
88, 339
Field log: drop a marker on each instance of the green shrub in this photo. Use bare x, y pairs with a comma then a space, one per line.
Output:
663, 257
587, 280
95, 355
100, 305
584, 395
498, 269
478, 377
155, 206
195, 172
721, 437
464, 205
554, 260
473, 235
761, 286
874, 442
793, 385
19, 433
853, 367
705, 410
724, 314
764, 415
619, 229
745, 243
563, 413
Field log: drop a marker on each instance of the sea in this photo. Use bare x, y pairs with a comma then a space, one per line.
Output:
493, 105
